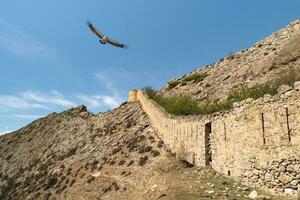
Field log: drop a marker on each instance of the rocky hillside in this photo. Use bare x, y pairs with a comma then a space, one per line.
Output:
110, 156
116, 155
78, 155
255, 65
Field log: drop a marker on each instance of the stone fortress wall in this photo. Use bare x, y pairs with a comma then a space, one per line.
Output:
257, 143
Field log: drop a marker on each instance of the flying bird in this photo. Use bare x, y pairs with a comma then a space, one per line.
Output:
104, 39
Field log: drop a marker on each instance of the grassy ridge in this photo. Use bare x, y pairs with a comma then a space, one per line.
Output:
186, 105
195, 78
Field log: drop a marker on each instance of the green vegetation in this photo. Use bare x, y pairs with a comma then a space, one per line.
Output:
173, 84
177, 105
35, 161
196, 78
70, 152
230, 55
254, 92
7, 185
288, 77
8, 157
50, 182
185, 105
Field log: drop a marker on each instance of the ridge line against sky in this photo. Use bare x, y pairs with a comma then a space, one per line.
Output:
50, 61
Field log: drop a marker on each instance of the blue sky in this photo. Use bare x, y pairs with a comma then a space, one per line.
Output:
50, 61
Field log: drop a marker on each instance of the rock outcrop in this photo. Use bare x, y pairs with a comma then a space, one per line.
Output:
255, 65
67, 155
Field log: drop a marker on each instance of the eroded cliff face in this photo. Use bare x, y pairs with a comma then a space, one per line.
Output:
255, 65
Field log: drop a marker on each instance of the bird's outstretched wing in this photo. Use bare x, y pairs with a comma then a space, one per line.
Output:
94, 30
116, 43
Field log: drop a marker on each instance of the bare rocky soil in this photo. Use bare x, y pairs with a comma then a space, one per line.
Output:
255, 65
112, 155
63, 154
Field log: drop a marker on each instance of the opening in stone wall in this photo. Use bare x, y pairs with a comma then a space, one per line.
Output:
208, 152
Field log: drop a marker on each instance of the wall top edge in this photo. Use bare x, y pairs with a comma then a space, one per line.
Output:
283, 99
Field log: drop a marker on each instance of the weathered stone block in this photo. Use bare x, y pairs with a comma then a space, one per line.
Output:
297, 85
269, 177
240, 154
283, 89
284, 178
267, 98
294, 182
290, 191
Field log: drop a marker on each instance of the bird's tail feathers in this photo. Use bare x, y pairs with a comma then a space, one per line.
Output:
126, 46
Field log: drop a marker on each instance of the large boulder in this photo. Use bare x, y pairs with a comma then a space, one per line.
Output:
253, 195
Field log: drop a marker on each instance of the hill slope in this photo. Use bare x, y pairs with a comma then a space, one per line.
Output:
255, 65
110, 156
116, 155
62, 154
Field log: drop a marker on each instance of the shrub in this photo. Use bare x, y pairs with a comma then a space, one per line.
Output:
8, 187
50, 182
149, 91
231, 55
185, 105
196, 78
287, 77
237, 96
173, 84
207, 85
181, 105
177, 105
254, 92
90, 179
214, 106
70, 152
28, 180
34, 162
8, 157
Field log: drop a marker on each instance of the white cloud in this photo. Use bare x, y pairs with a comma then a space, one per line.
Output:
90, 101
28, 100
98, 101
109, 78
20, 43
25, 116
16, 102
109, 100
55, 98
34, 99
30, 105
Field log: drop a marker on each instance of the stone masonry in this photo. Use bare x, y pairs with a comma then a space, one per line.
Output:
257, 143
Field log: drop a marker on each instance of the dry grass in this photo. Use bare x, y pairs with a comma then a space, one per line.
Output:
185, 105
195, 78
